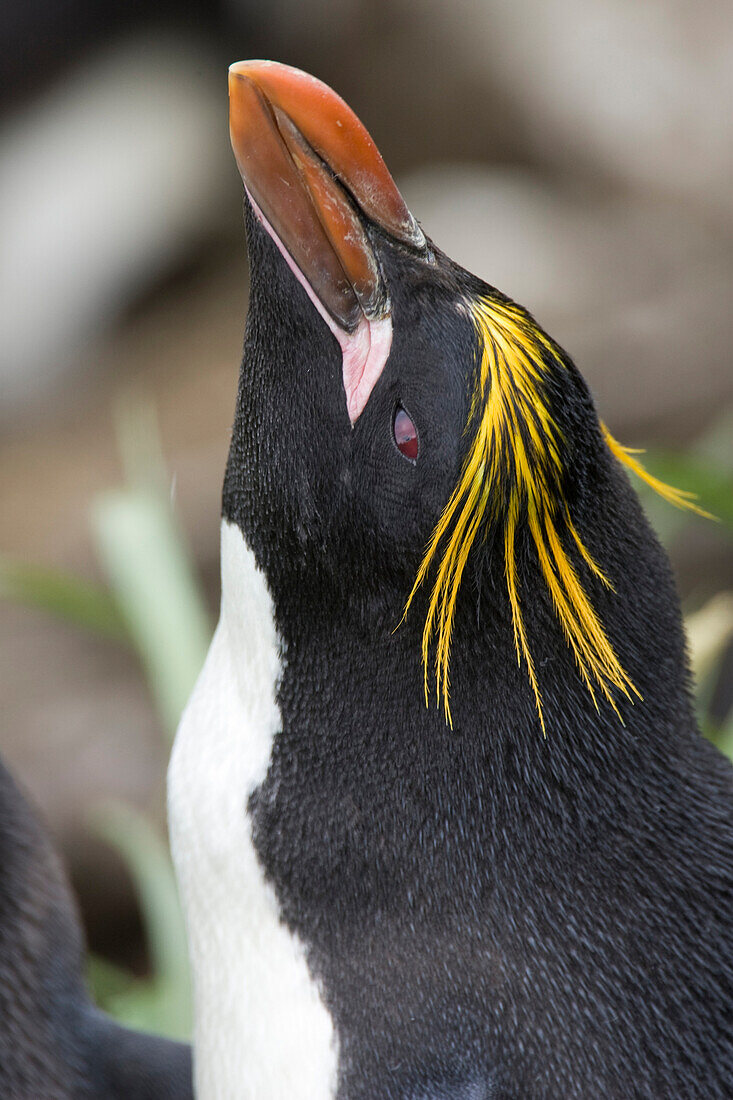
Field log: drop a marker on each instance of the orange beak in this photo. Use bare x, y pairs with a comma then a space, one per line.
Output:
317, 178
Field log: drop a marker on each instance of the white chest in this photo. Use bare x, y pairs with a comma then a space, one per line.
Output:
262, 1031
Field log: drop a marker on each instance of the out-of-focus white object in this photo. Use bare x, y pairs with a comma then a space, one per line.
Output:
105, 182
638, 289
709, 631
641, 90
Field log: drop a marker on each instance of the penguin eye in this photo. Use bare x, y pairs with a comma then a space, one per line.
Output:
405, 434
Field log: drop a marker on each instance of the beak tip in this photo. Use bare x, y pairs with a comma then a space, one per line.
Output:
317, 177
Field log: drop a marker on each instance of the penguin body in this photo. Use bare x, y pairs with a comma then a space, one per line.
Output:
527, 894
54, 1044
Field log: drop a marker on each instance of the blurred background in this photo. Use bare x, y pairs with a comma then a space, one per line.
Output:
576, 153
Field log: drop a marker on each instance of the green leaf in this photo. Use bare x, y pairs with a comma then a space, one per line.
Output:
106, 980
70, 598
162, 1003
721, 736
149, 571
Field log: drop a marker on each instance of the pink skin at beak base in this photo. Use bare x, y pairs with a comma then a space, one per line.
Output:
365, 351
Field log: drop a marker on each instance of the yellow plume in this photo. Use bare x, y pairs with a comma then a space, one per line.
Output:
681, 498
514, 469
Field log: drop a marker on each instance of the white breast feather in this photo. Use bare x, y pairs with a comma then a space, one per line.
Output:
262, 1031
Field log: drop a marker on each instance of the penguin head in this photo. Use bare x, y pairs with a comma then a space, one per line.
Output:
374, 485
405, 434
353, 395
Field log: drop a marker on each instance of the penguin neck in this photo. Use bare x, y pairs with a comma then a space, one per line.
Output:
353, 672
393, 803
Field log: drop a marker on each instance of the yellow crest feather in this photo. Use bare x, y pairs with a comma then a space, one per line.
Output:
516, 434
681, 498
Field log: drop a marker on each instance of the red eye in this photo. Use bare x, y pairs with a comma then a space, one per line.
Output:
405, 434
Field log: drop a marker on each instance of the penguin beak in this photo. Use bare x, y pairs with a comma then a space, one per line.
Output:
316, 180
